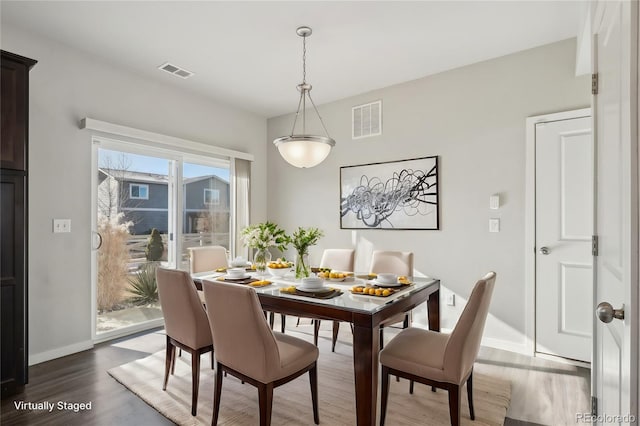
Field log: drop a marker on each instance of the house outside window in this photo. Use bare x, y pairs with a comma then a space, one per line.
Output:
211, 197
138, 191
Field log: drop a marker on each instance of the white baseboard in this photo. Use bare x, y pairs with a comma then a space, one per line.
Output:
505, 345
60, 352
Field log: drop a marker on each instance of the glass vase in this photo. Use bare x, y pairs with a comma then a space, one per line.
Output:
302, 265
260, 260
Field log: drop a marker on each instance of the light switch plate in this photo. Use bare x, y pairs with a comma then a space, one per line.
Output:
494, 202
451, 299
61, 225
494, 225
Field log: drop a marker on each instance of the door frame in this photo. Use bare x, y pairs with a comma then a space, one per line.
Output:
530, 222
178, 157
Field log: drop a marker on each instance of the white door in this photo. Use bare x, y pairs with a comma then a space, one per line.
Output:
564, 227
616, 265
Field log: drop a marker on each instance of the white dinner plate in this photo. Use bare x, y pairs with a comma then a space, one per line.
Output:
315, 290
379, 284
242, 277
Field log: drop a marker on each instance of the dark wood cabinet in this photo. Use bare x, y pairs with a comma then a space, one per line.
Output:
14, 108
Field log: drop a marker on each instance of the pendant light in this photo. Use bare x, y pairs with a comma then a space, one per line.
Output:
303, 150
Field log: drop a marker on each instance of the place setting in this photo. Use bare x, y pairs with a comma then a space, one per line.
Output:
383, 285
241, 276
312, 287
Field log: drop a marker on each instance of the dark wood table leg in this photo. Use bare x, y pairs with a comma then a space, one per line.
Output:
365, 365
433, 307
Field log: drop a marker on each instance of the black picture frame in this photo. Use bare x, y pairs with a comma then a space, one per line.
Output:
401, 194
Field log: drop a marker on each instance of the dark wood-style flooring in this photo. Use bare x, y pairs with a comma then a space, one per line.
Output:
83, 377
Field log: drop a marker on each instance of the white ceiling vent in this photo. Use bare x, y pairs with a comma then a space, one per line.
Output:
175, 70
366, 120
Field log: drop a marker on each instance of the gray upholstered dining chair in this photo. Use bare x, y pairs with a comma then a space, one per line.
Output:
441, 360
207, 258
393, 262
247, 348
186, 324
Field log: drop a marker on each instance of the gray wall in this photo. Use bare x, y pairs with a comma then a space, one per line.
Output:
474, 119
67, 85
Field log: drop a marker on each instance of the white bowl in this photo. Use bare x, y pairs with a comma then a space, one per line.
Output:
238, 262
279, 272
387, 278
236, 272
311, 283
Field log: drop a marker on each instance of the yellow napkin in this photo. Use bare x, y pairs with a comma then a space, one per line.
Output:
261, 283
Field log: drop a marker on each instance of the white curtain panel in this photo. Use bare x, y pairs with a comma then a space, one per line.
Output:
243, 195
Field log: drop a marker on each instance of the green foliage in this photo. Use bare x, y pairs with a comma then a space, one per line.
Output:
265, 235
155, 246
303, 238
143, 286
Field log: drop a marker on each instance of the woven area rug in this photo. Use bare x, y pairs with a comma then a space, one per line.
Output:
292, 402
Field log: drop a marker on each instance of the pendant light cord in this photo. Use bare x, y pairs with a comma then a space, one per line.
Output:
302, 102
304, 60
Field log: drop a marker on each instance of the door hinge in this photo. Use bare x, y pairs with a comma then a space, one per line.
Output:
594, 84
594, 406
594, 245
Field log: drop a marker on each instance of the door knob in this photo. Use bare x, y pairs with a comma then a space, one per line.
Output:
606, 313
544, 250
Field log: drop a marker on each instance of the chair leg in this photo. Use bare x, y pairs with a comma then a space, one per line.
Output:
282, 322
195, 381
173, 361
405, 323
472, 413
381, 338
313, 380
298, 322
411, 387
384, 394
217, 390
316, 330
454, 405
167, 363
334, 339
212, 362
265, 396
271, 319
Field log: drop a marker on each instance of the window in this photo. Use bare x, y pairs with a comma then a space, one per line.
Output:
211, 197
138, 191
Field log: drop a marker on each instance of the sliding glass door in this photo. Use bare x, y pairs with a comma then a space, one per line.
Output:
206, 207
151, 205
134, 228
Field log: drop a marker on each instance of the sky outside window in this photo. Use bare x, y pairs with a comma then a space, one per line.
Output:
145, 164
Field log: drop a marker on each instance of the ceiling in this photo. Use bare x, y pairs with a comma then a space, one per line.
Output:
247, 54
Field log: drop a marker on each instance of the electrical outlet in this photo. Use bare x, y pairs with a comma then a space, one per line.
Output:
61, 225
494, 225
451, 300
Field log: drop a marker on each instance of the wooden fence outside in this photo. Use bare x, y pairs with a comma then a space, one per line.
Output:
138, 243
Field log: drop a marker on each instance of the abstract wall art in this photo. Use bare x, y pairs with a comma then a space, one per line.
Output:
390, 195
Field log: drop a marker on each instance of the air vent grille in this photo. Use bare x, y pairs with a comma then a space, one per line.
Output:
366, 120
175, 70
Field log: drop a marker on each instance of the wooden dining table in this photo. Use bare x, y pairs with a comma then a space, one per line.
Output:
364, 312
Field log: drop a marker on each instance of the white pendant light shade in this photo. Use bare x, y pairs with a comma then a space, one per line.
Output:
304, 150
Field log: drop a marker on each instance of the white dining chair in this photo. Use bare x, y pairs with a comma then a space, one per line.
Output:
207, 258
393, 262
340, 260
